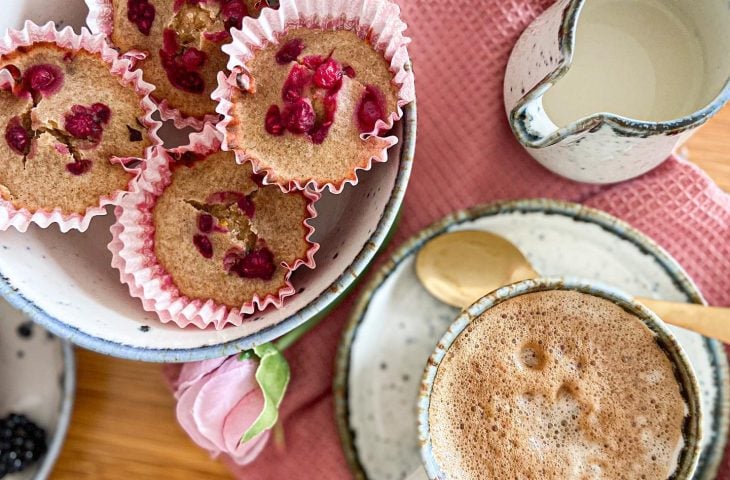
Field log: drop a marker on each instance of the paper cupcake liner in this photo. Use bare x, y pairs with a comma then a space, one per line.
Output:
101, 20
378, 21
134, 257
21, 218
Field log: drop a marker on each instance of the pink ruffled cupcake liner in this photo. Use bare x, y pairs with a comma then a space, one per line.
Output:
101, 20
22, 218
376, 20
134, 257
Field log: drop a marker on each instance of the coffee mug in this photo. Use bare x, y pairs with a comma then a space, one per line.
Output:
683, 372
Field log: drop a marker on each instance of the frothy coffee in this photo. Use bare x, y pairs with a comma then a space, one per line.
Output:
556, 385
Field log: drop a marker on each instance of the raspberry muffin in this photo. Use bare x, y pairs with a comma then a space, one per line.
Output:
222, 241
67, 122
181, 40
312, 107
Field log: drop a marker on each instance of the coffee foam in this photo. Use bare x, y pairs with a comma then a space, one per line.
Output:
556, 385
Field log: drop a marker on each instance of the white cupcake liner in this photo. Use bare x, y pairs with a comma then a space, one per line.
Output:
101, 20
377, 20
21, 219
137, 263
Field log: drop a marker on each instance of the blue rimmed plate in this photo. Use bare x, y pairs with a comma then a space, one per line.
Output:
397, 323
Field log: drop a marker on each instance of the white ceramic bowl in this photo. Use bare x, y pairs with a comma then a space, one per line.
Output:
37, 379
65, 281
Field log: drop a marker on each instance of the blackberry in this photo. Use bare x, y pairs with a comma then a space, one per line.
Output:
22, 443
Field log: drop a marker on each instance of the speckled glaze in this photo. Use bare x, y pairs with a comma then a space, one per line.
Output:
690, 454
396, 325
603, 147
29, 352
81, 298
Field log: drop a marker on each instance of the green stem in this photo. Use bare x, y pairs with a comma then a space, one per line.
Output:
291, 338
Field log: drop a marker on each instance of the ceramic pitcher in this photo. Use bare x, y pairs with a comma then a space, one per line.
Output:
602, 91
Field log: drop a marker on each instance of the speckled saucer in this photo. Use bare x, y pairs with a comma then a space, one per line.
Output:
397, 323
37, 378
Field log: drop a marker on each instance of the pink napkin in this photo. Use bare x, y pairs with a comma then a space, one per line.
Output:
467, 155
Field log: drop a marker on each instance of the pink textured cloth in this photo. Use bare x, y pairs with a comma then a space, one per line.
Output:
467, 155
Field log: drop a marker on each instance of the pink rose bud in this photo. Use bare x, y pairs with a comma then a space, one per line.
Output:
218, 400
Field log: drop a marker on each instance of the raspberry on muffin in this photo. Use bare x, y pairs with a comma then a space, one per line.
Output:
215, 242
310, 108
67, 123
181, 40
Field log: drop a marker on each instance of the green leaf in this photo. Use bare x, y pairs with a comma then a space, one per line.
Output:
273, 376
246, 355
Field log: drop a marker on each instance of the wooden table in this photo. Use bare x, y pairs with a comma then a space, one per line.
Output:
124, 425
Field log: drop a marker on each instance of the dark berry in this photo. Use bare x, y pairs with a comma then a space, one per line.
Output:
328, 74
349, 71
22, 443
17, 137
182, 67
233, 12
312, 61
298, 117
217, 37
202, 243
169, 42
142, 14
87, 122
247, 206
272, 122
290, 51
79, 167
192, 59
320, 132
205, 222
371, 108
293, 89
44, 79
255, 264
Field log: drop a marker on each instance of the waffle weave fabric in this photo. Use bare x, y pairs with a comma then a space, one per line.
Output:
467, 155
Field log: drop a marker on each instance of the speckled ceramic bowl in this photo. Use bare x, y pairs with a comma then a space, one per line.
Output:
65, 281
37, 379
396, 324
689, 456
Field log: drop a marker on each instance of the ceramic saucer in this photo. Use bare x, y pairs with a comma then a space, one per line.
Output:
37, 379
397, 324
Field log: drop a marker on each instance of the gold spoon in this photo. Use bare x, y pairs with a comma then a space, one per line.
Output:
460, 267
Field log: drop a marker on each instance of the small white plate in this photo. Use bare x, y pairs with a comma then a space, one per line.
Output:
397, 324
37, 379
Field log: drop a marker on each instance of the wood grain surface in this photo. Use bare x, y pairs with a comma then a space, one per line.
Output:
124, 425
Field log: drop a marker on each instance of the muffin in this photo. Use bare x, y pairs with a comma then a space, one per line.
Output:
221, 241
313, 86
182, 42
312, 99
68, 126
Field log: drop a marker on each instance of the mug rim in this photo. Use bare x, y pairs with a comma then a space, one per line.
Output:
625, 126
684, 372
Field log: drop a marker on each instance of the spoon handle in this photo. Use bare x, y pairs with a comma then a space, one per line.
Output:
713, 322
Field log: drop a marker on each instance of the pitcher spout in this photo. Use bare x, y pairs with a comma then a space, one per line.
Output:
532, 125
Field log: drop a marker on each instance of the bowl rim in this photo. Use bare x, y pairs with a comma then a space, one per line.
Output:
172, 355
690, 453
64, 418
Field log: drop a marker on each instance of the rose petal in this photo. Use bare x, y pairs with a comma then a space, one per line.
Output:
185, 407
190, 373
241, 417
220, 395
